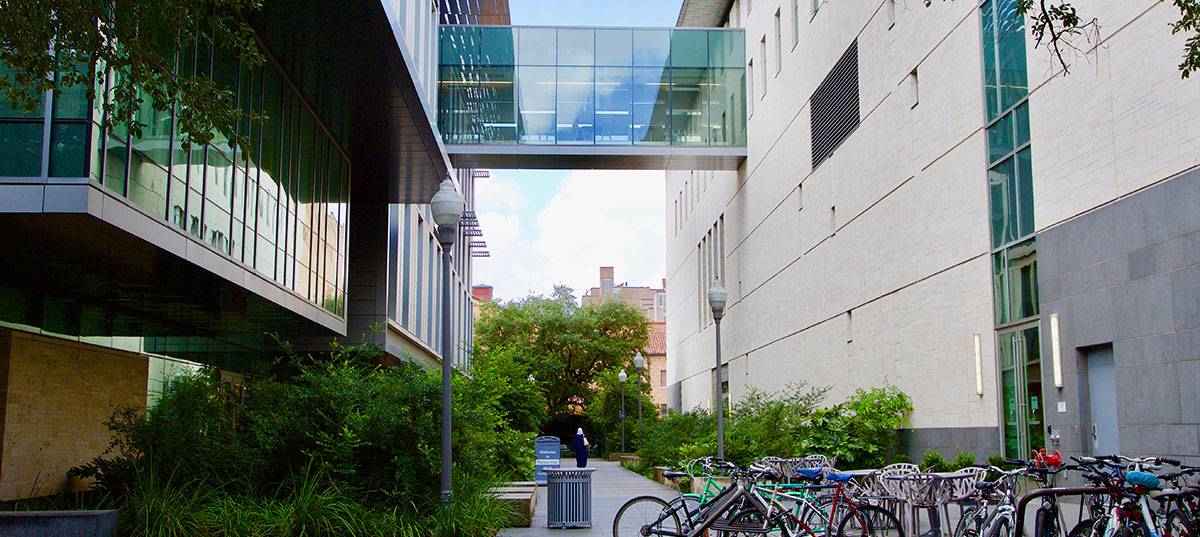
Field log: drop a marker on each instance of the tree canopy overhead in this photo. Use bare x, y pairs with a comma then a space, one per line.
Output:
130, 47
565, 347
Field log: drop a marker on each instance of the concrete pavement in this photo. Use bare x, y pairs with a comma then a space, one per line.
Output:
612, 486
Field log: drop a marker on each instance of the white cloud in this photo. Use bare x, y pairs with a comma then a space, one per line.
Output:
502, 194
594, 218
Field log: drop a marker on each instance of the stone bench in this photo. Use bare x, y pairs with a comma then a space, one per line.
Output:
522, 497
58, 523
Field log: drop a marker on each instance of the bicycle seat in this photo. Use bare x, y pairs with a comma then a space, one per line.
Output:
838, 477
986, 486
809, 474
676, 475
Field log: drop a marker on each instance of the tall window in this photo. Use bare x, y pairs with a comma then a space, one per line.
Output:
750, 88
816, 5
795, 22
762, 53
778, 43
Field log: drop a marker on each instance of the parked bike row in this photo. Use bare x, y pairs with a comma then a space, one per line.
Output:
809, 497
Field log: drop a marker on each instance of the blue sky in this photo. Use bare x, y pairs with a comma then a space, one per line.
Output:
557, 226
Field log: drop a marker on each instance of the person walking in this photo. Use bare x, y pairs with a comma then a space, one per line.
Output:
580, 445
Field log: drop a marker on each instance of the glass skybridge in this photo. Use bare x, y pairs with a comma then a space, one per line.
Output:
542, 97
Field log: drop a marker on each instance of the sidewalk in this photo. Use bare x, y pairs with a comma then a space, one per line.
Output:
612, 486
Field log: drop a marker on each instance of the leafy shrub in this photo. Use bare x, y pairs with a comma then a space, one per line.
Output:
859, 432
323, 447
962, 459
933, 462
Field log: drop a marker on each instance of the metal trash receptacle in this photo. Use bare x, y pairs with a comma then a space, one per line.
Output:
569, 497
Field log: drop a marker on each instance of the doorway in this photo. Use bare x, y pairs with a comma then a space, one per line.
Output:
1102, 398
1021, 390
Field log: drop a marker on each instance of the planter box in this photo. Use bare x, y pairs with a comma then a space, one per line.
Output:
698, 483
522, 497
58, 523
616, 456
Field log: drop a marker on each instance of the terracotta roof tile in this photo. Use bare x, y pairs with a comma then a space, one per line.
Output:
658, 339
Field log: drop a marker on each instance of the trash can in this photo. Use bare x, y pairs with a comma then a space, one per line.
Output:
569, 497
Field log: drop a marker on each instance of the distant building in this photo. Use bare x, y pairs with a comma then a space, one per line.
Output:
650, 301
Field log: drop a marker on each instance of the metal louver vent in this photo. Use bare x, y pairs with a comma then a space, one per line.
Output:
834, 106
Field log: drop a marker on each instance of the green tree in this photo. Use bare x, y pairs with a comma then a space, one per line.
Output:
565, 347
605, 411
130, 46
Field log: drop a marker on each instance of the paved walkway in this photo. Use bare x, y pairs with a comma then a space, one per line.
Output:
612, 486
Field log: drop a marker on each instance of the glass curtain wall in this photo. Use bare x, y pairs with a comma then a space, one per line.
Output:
592, 86
1014, 247
281, 208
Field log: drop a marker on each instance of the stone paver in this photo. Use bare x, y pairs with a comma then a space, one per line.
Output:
612, 486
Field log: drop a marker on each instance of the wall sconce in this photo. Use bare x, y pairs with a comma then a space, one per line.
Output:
1055, 352
978, 366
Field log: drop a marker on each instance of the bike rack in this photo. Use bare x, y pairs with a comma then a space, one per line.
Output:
1023, 502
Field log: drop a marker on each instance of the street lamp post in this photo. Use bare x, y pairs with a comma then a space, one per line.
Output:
638, 364
447, 206
622, 377
716, 300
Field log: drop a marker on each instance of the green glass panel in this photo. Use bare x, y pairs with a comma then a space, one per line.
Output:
68, 149
1021, 122
460, 45
195, 203
1008, 385
987, 17
727, 48
1024, 193
218, 200
498, 106
147, 184
1000, 138
537, 104
614, 47
8, 110
178, 201
689, 48
270, 147
95, 156
727, 107
498, 46
1000, 291
70, 101
537, 46
576, 46
651, 48
1002, 202
614, 105
651, 96
575, 120
22, 149
116, 155
155, 143
1013, 76
458, 105
689, 106
1022, 280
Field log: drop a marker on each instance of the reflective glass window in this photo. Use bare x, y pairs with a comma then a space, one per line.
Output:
727, 107
576, 46
536, 46
67, 153
537, 104
689, 106
1024, 193
22, 143
689, 48
726, 48
651, 122
575, 118
614, 105
498, 45
1013, 77
614, 47
498, 104
1000, 138
459, 45
651, 48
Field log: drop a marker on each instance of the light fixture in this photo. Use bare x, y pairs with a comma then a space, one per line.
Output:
1055, 351
447, 205
638, 361
716, 298
978, 366
622, 376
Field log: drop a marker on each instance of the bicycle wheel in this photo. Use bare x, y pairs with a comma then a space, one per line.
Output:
687, 508
1179, 524
807, 512
1088, 527
749, 523
969, 524
1045, 523
869, 521
1001, 526
646, 515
